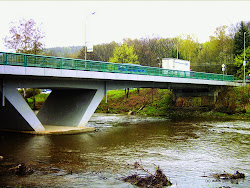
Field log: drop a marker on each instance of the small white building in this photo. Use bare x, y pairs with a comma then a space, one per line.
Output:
175, 64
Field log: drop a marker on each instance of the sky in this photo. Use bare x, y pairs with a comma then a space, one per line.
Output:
64, 21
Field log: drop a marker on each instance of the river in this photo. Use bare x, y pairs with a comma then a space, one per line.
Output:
187, 151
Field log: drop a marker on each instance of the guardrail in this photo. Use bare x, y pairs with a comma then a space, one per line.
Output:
29, 60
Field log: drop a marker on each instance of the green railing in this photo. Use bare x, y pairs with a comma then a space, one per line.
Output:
29, 60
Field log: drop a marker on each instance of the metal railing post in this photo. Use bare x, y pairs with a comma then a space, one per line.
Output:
6, 59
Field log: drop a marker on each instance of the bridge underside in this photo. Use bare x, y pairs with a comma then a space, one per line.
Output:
72, 101
70, 107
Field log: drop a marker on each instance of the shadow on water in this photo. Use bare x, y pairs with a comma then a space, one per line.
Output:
184, 150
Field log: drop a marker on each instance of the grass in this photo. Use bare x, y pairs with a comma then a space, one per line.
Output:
152, 102
40, 99
159, 102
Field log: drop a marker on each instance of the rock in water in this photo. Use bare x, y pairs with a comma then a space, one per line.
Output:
21, 169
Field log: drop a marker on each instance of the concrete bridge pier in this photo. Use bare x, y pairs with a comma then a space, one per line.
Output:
15, 113
70, 107
193, 93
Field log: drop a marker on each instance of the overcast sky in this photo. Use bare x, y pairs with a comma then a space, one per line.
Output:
64, 21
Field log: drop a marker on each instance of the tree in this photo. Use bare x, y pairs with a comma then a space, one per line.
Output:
143, 51
217, 51
239, 64
25, 37
124, 54
151, 50
188, 47
102, 52
239, 38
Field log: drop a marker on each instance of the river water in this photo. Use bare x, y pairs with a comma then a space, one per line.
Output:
189, 152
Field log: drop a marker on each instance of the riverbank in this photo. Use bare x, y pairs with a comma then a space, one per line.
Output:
233, 103
159, 102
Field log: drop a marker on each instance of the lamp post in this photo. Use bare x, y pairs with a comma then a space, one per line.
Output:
244, 62
85, 37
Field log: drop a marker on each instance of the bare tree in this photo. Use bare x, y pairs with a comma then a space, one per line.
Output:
25, 37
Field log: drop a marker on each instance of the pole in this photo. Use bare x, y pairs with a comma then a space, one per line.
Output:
85, 37
177, 52
85, 45
3, 97
244, 63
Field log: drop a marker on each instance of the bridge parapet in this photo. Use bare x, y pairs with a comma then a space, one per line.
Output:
29, 60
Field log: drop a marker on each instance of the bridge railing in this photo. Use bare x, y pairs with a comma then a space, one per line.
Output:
29, 60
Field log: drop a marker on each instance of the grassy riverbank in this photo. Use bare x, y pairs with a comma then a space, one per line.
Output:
152, 102
232, 104
39, 101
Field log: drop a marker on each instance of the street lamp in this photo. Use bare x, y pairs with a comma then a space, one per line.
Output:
244, 62
86, 34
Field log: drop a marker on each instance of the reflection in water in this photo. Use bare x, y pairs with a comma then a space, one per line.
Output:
185, 150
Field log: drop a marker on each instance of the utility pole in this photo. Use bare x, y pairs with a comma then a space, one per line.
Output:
85, 37
244, 62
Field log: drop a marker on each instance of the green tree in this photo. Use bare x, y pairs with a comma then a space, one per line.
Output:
188, 47
239, 64
102, 52
25, 37
150, 51
124, 54
217, 51
143, 51
239, 38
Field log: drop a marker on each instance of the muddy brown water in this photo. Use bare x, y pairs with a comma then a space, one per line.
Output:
187, 151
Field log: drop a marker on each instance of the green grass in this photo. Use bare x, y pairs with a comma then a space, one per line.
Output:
152, 102
41, 97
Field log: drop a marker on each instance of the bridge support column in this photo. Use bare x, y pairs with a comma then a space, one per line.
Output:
70, 107
15, 113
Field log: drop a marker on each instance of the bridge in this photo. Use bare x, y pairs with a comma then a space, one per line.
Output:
78, 86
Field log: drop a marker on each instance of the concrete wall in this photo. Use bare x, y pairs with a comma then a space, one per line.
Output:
67, 107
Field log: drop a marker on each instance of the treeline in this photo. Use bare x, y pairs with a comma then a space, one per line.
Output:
225, 46
70, 51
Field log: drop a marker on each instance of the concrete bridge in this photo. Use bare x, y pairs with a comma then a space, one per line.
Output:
78, 86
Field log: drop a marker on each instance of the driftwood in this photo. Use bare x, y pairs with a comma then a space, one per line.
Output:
21, 169
159, 179
237, 175
133, 113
